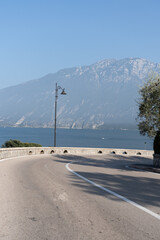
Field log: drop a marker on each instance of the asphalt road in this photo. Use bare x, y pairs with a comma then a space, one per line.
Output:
40, 198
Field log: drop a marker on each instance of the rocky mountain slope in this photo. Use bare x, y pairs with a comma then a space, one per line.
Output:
100, 95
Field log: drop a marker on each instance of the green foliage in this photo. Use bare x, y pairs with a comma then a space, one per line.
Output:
156, 144
16, 143
149, 107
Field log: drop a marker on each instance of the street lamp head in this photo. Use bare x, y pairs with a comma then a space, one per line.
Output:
63, 92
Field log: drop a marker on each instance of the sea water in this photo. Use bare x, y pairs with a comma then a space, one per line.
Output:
122, 138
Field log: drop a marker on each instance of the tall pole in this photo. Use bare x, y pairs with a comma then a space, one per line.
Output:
55, 120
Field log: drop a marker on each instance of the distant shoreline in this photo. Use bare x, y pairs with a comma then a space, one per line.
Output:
76, 128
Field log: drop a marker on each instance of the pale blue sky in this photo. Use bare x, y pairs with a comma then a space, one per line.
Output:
38, 37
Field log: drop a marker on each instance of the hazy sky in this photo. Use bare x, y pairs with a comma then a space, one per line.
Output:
38, 37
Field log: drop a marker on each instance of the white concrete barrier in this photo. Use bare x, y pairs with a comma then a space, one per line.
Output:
16, 152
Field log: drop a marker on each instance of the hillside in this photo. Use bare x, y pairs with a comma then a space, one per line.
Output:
99, 95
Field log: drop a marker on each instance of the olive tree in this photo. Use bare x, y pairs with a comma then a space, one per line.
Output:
149, 106
149, 113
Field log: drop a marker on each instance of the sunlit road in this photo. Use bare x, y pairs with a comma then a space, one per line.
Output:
41, 199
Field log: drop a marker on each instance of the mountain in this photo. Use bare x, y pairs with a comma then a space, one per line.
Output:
98, 95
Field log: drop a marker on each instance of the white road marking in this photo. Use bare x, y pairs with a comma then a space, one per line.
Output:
96, 185
114, 194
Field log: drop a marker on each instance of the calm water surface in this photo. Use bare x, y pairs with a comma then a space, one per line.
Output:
129, 139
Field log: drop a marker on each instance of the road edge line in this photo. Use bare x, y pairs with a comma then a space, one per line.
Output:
157, 216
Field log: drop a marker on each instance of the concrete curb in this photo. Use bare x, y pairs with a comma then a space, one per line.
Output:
145, 167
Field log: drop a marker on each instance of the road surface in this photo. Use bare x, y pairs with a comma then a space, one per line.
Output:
44, 197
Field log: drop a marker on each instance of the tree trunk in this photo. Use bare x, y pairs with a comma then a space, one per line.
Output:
156, 160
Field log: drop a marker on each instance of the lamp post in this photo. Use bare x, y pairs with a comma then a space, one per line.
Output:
56, 98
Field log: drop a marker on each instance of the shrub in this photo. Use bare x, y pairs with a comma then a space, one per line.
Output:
16, 143
156, 143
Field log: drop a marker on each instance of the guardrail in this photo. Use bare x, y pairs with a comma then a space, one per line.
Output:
16, 152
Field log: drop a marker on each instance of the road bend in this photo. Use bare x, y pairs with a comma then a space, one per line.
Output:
67, 197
